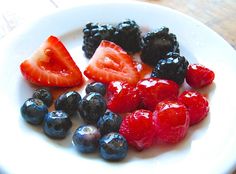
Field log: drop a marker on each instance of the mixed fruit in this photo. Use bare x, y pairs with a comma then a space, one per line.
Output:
122, 108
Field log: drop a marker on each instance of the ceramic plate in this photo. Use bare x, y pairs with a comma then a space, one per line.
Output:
209, 146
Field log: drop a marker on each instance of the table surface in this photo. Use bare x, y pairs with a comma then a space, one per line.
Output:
219, 15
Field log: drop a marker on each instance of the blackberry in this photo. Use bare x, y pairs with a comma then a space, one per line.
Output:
128, 36
93, 35
156, 44
171, 67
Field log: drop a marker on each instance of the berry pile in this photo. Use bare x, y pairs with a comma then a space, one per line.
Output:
56, 124
121, 109
152, 111
101, 126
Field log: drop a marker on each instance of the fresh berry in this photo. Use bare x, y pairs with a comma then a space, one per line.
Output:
57, 124
122, 97
93, 35
109, 63
113, 147
92, 107
51, 65
128, 36
85, 138
109, 122
156, 44
34, 111
68, 102
172, 121
96, 87
199, 76
171, 67
154, 90
196, 104
138, 128
44, 95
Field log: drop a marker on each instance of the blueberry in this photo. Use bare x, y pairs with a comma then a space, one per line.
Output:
91, 107
109, 122
56, 124
113, 147
96, 87
34, 111
85, 138
68, 102
44, 95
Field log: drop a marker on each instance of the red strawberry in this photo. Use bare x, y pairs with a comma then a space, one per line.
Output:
111, 63
172, 121
122, 97
138, 128
51, 65
199, 76
196, 104
154, 90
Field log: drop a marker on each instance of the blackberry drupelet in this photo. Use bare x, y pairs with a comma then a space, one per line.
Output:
128, 36
171, 67
93, 35
156, 44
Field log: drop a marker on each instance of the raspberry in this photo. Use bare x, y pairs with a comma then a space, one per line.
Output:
199, 76
172, 121
196, 104
138, 128
122, 97
154, 90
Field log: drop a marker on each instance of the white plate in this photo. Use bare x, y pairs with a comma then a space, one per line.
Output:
209, 146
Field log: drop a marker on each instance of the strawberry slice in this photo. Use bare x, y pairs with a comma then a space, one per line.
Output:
111, 63
51, 65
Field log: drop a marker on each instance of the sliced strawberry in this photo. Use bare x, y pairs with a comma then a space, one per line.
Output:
51, 65
111, 63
